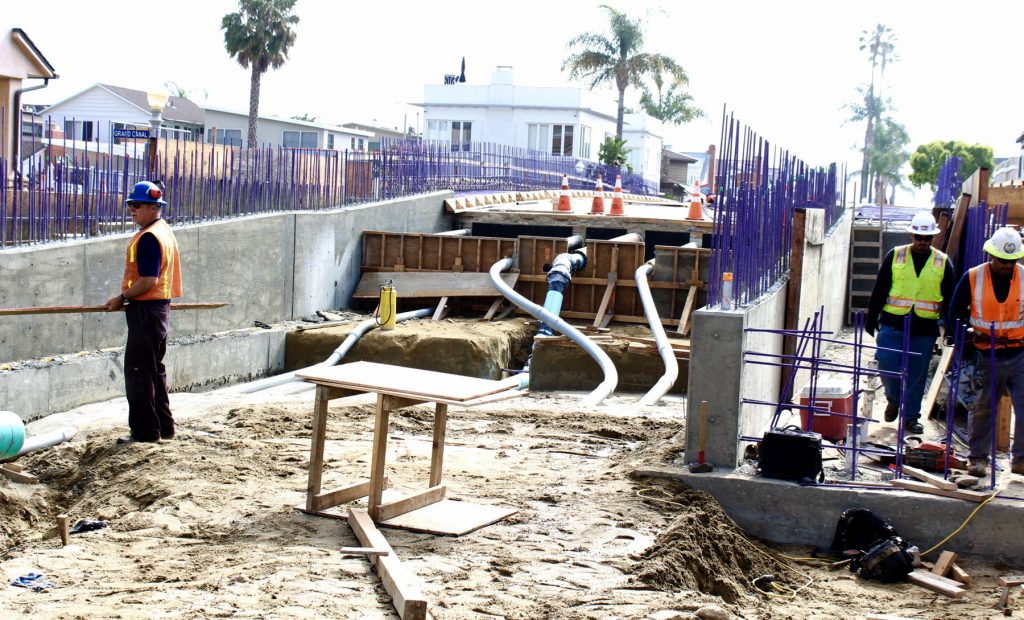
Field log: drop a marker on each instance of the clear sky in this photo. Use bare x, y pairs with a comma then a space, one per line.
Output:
786, 68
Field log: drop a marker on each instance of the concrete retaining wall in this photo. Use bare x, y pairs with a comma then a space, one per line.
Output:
718, 373
269, 268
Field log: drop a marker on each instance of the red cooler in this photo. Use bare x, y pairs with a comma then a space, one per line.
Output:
834, 396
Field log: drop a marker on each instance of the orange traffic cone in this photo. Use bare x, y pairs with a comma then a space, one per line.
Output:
564, 202
597, 207
617, 197
696, 212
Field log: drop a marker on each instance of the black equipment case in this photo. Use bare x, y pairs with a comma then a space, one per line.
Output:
791, 454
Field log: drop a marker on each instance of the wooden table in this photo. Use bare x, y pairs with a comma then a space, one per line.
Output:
395, 387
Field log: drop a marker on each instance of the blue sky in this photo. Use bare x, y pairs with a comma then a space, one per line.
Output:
786, 68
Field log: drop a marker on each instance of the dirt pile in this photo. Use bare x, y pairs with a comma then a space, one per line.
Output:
704, 550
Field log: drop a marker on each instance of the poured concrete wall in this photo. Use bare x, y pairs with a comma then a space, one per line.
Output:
718, 373
269, 268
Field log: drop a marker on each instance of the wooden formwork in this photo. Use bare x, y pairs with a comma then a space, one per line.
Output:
604, 290
384, 251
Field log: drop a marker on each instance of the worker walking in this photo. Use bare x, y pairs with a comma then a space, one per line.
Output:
914, 279
152, 277
988, 296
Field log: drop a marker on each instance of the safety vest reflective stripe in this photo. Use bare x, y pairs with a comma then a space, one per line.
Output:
986, 311
922, 292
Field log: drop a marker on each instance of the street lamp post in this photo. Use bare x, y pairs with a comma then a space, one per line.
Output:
156, 103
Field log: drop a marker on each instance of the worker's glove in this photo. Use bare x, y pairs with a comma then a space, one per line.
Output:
948, 340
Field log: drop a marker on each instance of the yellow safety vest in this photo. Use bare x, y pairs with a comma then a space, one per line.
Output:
922, 293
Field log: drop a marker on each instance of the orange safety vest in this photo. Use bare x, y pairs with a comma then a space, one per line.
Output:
168, 285
1008, 316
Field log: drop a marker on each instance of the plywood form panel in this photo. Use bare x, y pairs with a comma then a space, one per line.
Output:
383, 251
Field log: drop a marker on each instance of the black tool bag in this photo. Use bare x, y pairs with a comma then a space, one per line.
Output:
791, 454
861, 529
888, 561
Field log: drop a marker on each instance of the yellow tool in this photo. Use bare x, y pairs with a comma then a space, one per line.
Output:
388, 306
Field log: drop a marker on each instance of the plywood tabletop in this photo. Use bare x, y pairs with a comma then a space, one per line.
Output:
402, 381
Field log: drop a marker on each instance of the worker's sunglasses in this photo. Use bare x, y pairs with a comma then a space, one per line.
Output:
136, 205
922, 238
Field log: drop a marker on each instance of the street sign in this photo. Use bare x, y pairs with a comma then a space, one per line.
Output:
131, 133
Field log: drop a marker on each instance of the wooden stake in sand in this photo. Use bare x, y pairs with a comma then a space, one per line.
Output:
62, 529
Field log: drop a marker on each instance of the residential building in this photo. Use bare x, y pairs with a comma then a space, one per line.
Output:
675, 173
20, 60
1006, 169
92, 114
560, 121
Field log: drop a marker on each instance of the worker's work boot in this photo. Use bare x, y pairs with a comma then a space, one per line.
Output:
978, 467
892, 410
914, 427
1018, 467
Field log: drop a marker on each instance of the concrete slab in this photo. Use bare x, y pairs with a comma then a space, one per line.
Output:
785, 512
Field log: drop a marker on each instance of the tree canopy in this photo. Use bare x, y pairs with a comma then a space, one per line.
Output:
617, 58
259, 36
670, 106
928, 159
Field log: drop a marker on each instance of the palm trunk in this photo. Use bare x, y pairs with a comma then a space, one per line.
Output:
869, 138
621, 113
254, 104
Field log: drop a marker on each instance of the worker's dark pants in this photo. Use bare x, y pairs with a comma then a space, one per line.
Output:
1009, 374
890, 357
145, 380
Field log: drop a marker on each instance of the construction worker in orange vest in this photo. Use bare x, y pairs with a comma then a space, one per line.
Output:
152, 277
991, 294
918, 280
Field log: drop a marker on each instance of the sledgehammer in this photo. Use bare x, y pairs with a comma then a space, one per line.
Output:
700, 467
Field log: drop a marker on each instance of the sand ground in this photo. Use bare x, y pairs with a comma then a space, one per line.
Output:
204, 526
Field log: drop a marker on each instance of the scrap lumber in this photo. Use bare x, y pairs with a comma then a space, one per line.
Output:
1004, 413
609, 292
933, 582
944, 564
930, 478
884, 617
936, 385
911, 485
62, 529
364, 551
16, 475
957, 227
398, 580
960, 575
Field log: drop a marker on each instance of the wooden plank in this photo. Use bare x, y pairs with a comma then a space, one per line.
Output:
19, 477
316, 446
439, 311
494, 308
911, 485
1004, 413
398, 580
62, 529
409, 503
960, 575
418, 284
936, 385
935, 583
609, 291
377, 456
957, 227
343, 495
437, 449
206, 305
791, 315
388, 379
932, 479
364, 551
1010, 580
944, 563
684, 318
884, 617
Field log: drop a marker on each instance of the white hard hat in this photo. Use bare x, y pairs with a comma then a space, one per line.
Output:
1005, 243
923, 224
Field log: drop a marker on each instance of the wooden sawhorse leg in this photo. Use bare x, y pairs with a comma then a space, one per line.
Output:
437, 452
316, 447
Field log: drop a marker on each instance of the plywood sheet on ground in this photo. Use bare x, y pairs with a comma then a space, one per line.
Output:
449, 518
401, 381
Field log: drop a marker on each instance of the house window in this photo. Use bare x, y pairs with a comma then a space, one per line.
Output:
584, 142
79, 130
353, 147
330, 140
360, 144
227, 137
297, 139
554, 139
458, 133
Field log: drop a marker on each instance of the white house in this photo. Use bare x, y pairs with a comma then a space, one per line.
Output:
93, 114
233, 126
561, 121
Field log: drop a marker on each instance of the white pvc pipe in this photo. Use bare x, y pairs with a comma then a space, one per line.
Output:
335, 357
611, 376
458, 232
38, 442
667, 380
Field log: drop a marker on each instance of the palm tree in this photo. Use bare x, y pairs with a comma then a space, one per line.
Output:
258, 36
669, 106
617, 58
881, 48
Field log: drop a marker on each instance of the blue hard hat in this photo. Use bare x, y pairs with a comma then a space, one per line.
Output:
145, 191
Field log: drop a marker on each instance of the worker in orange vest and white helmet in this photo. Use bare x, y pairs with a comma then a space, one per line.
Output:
916, 280
991, 294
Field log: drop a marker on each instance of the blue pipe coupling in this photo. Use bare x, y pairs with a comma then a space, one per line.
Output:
12, 434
